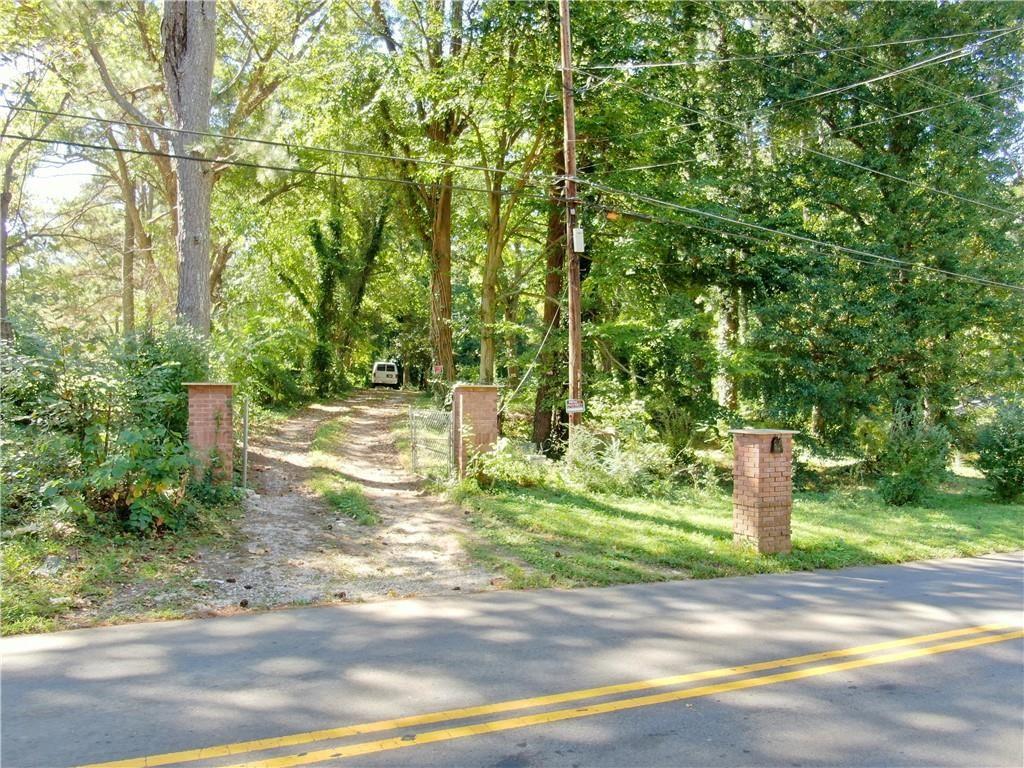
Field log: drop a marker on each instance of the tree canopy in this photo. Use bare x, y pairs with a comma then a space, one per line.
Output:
805, 214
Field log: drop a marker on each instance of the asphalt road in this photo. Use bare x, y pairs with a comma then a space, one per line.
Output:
947, 688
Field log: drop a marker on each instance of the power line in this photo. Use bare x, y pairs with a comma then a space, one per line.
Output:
792, 235
775, 105
940, 58
644, 198
960, 97
263, 166
837, 131
533, 363
653, 166
799, 146
647, 218
864, 61
899, 264
787, 54
270, 143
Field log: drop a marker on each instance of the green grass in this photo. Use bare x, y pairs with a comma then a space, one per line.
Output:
96, 565
543, 536
342, 495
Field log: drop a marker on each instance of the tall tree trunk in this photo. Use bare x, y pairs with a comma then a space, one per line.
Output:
128, 275
489, 282
727, 339
441, 281
189, 37
817, 421
551, 381
357, 291
135, 200
512, 369
6, 332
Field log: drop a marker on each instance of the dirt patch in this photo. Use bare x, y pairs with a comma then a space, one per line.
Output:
416, 548
286, 552
297, 549
294, 548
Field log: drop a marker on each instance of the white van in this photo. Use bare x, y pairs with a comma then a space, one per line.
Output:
384, 375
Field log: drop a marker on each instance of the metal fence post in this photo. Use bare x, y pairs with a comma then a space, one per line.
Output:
412, 438
245, 443
450, 468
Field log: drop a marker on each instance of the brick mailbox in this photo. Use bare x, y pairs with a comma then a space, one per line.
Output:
210, 426
762, 497
474, 422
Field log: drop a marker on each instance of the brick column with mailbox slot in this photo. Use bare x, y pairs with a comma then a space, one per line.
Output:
762, 497
474, 422
210, 426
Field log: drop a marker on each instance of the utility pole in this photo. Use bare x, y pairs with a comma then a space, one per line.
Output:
571, 228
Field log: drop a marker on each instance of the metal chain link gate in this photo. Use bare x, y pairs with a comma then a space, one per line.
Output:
430, 433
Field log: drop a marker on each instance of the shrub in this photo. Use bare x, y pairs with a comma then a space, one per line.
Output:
698, 471
618, 450
143, 481
30, 458
94, 427
914, 460
601, 461
155, 366
1001, 452
512, 463
267, 363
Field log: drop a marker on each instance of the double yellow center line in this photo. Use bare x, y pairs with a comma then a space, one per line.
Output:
977, 637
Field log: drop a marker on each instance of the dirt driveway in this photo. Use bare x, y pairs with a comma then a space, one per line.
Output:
296, 548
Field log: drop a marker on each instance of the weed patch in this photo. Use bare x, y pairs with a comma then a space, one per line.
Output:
91, 567
342, 495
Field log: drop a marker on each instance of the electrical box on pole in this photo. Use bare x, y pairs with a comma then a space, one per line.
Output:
577, 239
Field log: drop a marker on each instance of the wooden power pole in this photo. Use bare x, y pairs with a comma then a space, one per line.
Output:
573, 236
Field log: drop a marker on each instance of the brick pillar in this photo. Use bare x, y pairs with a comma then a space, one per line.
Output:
210, 428
762, 496
474, 422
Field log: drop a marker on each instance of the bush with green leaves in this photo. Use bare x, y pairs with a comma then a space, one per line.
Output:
601, 461
29, 459
914, 459
94, 428
267, 362
618, 450
1001, 452
511, 463
698, 471
155, 367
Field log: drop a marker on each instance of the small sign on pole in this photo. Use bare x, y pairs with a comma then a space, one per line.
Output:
438, 370
574, 406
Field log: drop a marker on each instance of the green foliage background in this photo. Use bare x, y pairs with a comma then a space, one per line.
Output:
766, 116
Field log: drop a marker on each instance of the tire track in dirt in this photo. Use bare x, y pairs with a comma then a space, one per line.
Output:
297, 550
417, 547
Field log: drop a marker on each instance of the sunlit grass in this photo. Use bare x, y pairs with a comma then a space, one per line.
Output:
573, 538
344, 496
